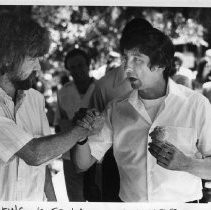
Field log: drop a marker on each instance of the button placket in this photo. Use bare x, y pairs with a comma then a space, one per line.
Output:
149, 183
150, 165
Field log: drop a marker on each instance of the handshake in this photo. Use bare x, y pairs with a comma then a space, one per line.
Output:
89, 119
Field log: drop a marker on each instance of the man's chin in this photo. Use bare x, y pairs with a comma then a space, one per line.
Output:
25, 84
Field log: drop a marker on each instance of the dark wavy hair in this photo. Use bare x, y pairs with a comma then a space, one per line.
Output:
135, 24
20, 37
152, 43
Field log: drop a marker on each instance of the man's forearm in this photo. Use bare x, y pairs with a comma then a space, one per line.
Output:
43, 149
200, 167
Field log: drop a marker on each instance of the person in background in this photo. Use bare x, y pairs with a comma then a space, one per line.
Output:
181, 69
203, 74
72, 96
177, 75
204, 71
154, 164
206, 90
26, 144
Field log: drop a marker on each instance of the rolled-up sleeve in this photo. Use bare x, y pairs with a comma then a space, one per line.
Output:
12, 138
100, 143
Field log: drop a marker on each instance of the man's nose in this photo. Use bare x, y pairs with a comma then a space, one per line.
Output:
128, 69
128, 66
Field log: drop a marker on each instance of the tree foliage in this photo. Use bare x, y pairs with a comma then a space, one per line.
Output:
98, 28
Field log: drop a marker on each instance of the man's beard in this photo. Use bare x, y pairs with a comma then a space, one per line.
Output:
25, 84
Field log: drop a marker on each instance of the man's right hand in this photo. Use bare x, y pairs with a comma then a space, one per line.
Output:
90, 119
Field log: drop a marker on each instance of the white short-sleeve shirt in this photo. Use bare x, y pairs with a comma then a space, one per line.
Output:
18, 125
186, 115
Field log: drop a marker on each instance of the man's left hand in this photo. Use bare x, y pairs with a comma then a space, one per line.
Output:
168, 156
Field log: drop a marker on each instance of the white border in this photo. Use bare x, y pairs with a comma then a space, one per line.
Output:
156, 3
110, 206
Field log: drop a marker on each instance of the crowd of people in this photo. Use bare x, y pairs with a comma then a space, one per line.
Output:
139, 134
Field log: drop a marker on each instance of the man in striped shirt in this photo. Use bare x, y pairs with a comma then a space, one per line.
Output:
26, 145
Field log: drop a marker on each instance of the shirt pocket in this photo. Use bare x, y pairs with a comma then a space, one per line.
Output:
183, 138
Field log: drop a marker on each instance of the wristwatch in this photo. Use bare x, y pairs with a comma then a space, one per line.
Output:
82, 142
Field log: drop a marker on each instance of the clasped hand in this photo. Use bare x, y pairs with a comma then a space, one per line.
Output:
168, 156
89, 119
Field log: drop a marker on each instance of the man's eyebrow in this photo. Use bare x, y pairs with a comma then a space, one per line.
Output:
140, 55
136, 53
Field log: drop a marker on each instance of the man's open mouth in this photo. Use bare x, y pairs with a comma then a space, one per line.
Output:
132, 79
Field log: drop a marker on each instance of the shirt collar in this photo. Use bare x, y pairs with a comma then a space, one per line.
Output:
173, 90
4, 96
20, 96
172, 87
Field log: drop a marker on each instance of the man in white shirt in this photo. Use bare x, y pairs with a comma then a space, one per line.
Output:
26, 145
71, 97
149, 169
113, 85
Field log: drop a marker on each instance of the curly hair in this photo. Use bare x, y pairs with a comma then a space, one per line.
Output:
152, 43
20, 37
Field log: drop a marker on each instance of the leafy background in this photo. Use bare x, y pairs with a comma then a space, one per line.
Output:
98, 28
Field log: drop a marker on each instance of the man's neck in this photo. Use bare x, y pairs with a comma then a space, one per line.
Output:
7, 86
83, 86
157, 91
